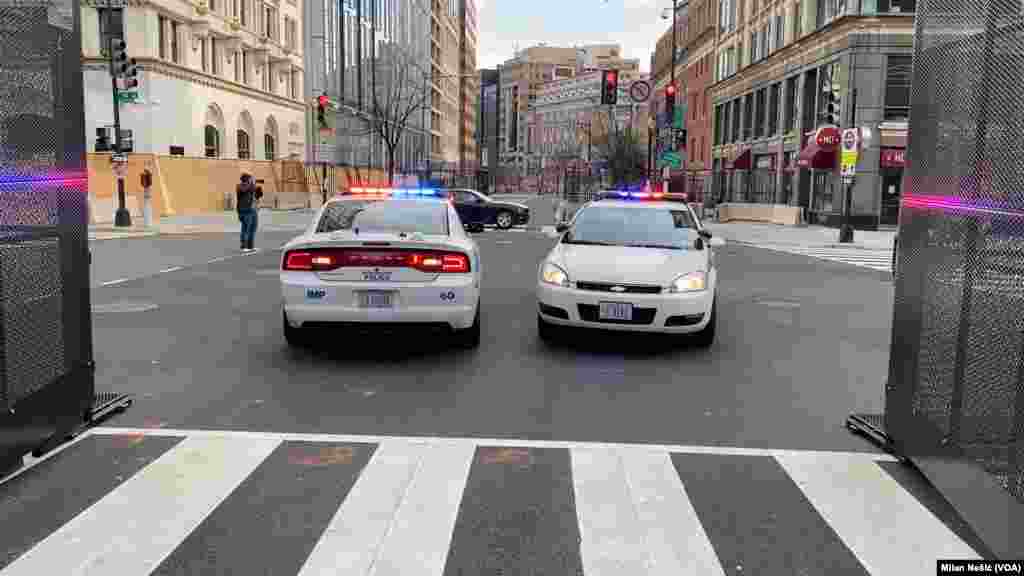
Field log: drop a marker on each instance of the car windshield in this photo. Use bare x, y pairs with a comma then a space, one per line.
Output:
625, 226
386, 216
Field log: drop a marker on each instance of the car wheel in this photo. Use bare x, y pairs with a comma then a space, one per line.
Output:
295, 337
706, 337
504, 220
469, 338
546, 330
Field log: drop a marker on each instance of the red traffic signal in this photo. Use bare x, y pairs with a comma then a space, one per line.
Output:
322, 100
670, 90
611, 78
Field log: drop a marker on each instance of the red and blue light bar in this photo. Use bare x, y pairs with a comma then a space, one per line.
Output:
386, 192
628, 195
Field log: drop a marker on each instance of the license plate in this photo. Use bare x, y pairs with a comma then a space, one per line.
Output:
375, 300
377, 276
616, 311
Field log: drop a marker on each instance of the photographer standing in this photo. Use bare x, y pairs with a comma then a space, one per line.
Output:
248, 195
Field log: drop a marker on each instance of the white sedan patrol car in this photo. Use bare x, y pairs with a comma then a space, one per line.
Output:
383, 258
631, 262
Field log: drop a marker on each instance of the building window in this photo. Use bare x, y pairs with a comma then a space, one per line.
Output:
293, 84
897, 6
790, 115
797, 22
204, 55
748, 117
718, 125
243, 13
773, 110
265, 69
897, 87
175, 45
736, 120
753, 47
759, 114
211, 139
779, 32
161, 36
243, 145
268, 147
214, 60
245, 67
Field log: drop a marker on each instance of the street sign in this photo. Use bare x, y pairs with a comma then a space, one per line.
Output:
125, 97
827, 137
640, 91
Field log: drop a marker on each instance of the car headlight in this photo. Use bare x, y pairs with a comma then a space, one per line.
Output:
692, 282
553, 274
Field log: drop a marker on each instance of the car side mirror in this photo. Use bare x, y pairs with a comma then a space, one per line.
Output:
705, 234
473, 227
561, 227
698, 244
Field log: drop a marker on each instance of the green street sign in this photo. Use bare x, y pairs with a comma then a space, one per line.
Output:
127, 97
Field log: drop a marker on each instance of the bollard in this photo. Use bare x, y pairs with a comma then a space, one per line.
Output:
147, 198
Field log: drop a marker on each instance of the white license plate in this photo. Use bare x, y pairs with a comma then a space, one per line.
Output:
377, 276
375, 300
615, 311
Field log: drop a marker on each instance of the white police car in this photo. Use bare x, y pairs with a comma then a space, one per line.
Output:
383, 258
631, 262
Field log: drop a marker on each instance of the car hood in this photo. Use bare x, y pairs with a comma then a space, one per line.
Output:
626, 265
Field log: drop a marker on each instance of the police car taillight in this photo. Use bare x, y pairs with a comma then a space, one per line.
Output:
327, 259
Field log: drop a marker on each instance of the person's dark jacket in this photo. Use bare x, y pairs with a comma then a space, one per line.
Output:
247, 193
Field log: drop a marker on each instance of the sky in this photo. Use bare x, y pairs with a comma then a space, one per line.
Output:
633, 24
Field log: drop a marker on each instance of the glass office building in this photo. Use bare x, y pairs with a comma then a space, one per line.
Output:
351, 50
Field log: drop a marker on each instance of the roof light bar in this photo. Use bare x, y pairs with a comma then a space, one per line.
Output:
639, 195
392, 192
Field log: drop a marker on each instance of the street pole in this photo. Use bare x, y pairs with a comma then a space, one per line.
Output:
122, 218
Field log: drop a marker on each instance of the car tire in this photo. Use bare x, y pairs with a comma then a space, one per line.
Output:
469, 338
706, 337
505, 220
547, 331
295, 337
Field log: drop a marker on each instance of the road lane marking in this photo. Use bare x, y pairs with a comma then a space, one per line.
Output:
183, 267
675, 536
171, 269
888, 529
421, 531
497, 442
118, 281
354, 535
136, 525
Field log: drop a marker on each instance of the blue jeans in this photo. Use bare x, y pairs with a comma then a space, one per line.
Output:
249, 220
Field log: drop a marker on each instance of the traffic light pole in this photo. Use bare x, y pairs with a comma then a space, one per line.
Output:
122, 218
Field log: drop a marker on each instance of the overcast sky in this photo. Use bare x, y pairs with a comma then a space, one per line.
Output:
504, 24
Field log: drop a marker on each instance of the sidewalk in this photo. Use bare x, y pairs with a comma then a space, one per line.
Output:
802, 236
211, 223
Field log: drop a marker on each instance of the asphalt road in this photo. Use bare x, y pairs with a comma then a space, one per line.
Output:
799, 348
409, 457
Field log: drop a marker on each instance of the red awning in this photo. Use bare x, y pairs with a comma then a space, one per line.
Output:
743, 161
817, 158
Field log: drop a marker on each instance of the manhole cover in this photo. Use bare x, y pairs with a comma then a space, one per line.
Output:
123, 307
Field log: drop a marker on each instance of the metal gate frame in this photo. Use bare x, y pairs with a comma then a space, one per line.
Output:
954, 400
47, 385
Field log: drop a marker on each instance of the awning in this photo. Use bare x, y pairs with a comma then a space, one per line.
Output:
742, 161
817, 158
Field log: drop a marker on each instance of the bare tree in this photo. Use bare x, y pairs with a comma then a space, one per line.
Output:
397, 101
623, 150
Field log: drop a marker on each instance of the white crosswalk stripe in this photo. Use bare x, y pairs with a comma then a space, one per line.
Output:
401, 516
865, 258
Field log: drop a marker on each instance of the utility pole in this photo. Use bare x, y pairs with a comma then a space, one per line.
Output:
120, 67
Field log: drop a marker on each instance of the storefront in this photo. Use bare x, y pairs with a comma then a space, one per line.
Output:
892, 163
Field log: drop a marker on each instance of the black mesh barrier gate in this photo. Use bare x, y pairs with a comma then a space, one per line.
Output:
47, 389
954, 401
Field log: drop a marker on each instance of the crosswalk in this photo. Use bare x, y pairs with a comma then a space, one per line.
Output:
158, 501
863, 257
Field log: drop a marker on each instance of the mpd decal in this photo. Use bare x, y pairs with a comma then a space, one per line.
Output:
315, 293
448, 296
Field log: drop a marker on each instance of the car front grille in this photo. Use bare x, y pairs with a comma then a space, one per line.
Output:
627, 288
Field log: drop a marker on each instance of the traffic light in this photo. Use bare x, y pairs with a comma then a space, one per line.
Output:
832, 108
670, 104
610, 87
321, 110
121, 66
